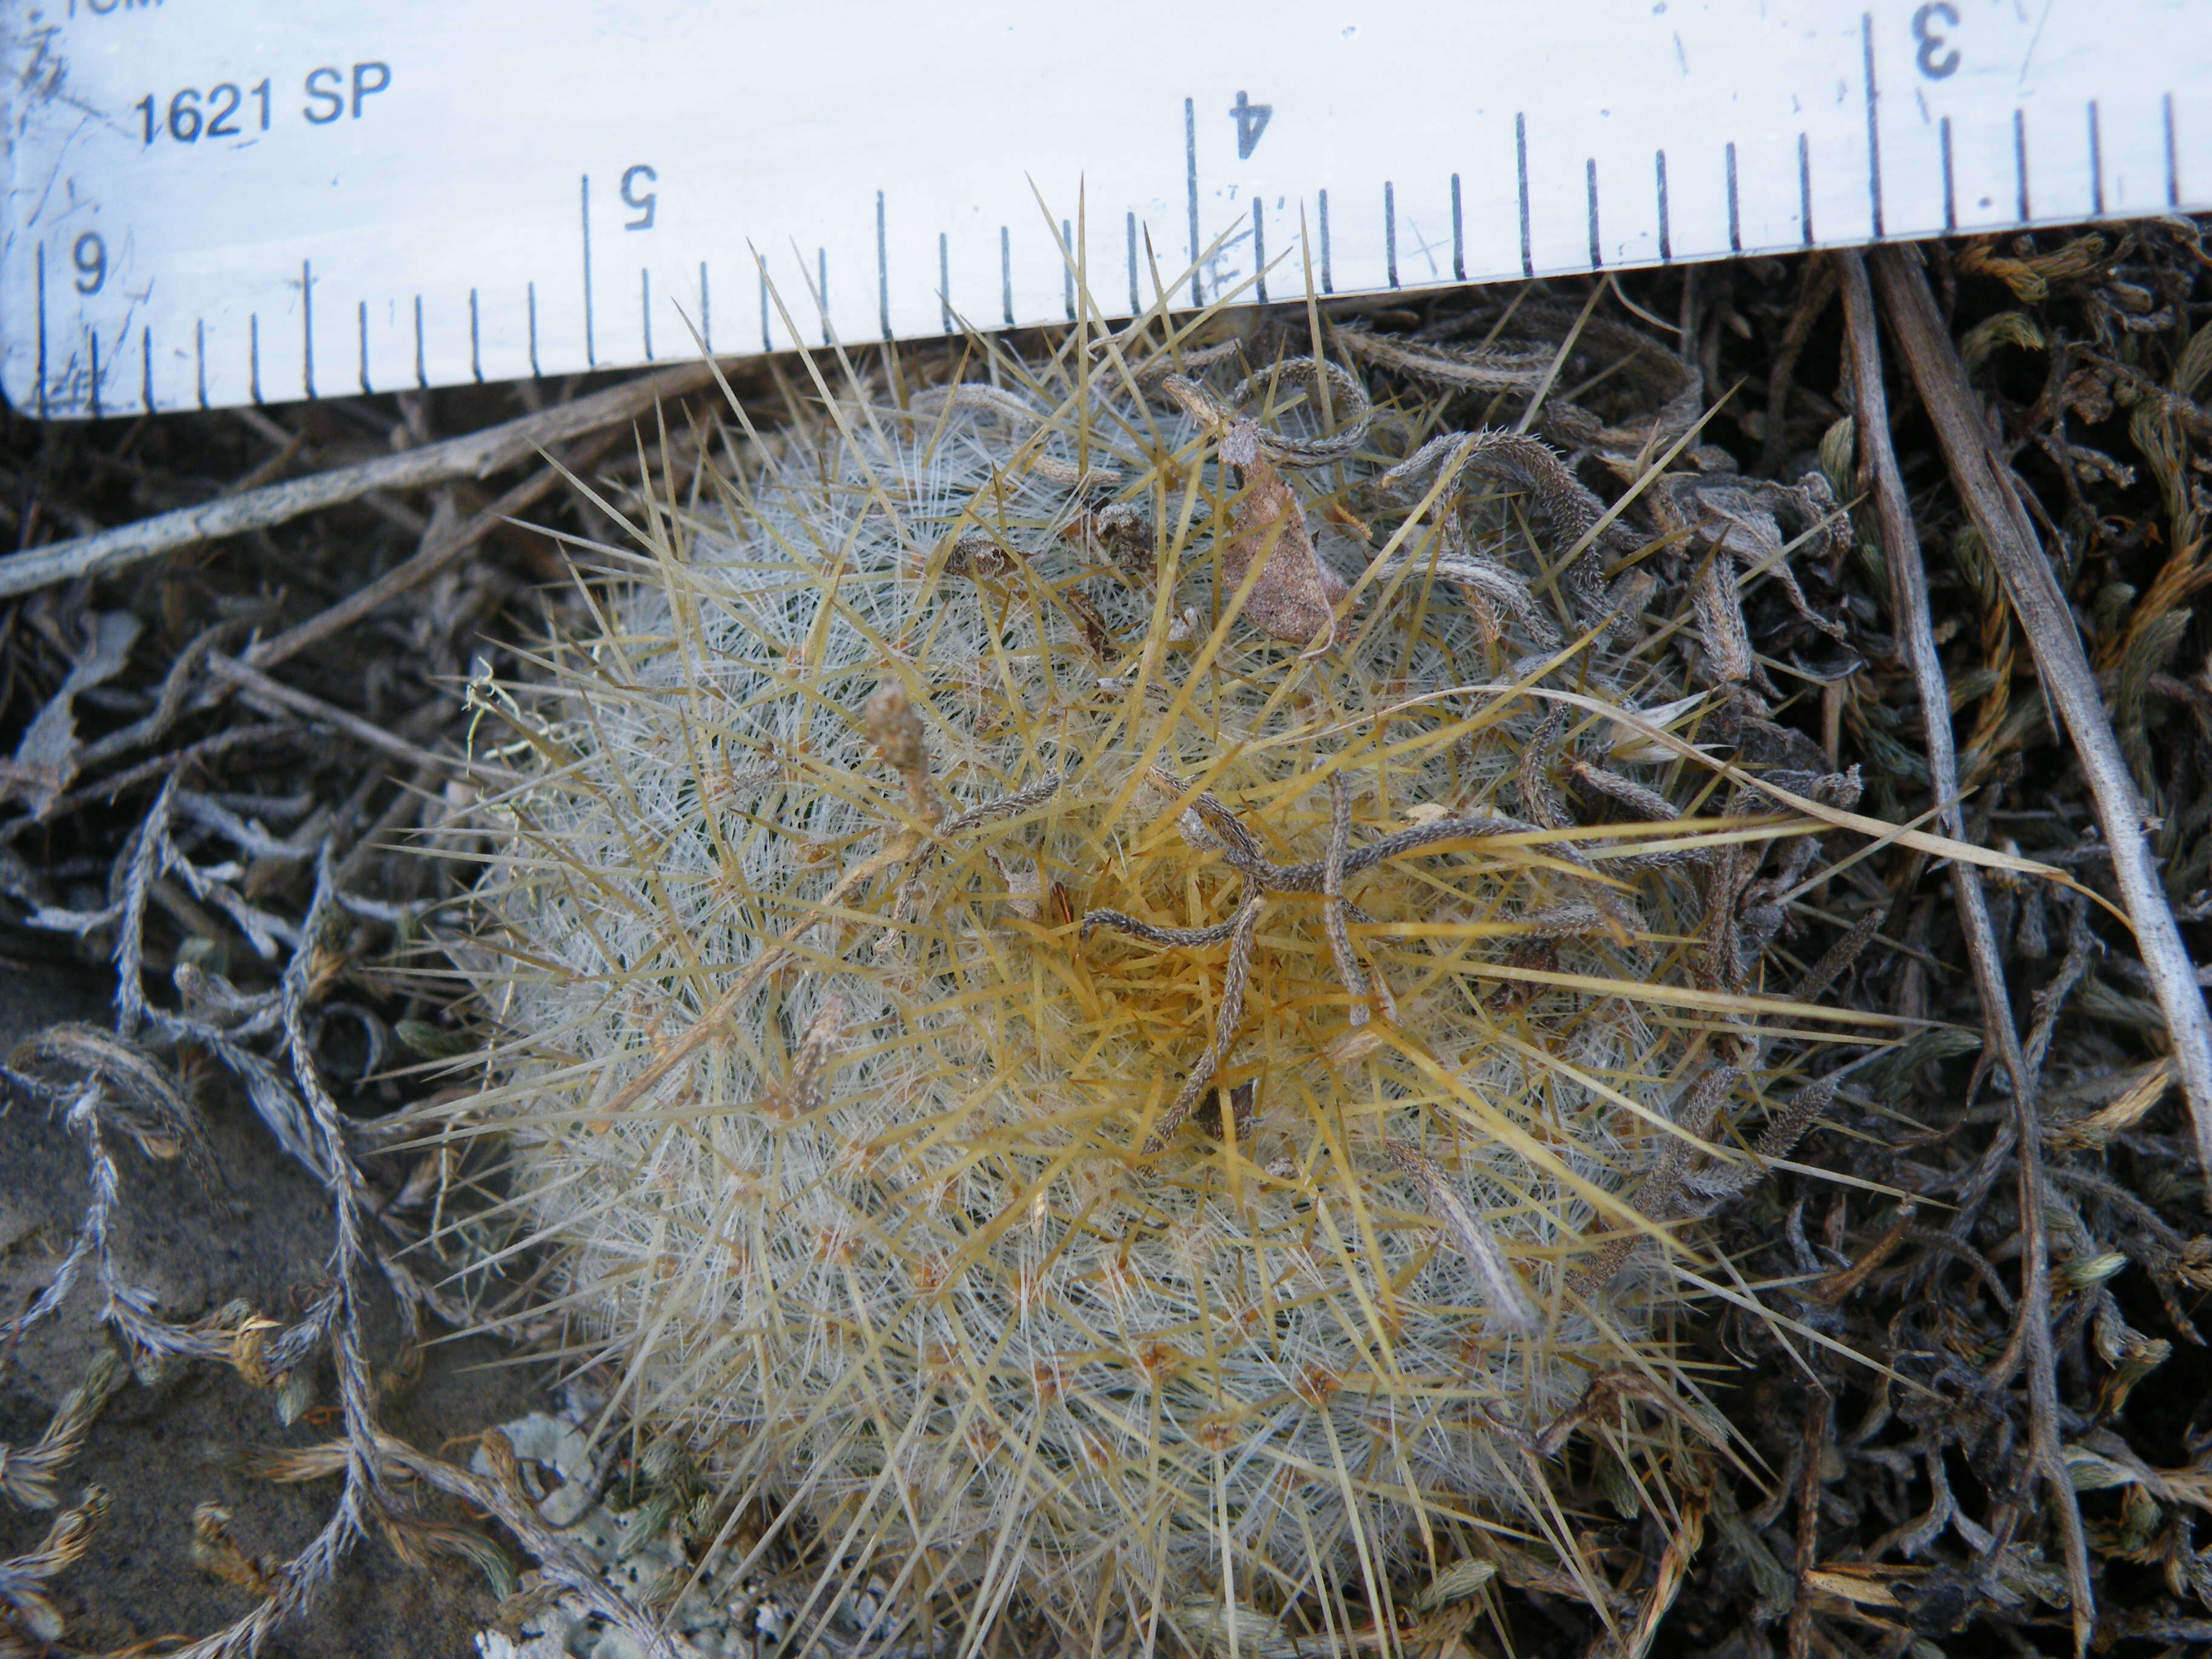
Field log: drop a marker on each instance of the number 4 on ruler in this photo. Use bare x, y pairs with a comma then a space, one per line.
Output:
1251, 120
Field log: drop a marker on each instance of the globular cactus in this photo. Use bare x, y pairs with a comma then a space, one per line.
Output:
1098, 973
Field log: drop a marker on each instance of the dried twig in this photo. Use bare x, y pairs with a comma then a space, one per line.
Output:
479, 455
437, 552
1941, 379
264, 690
177, 760
1908, 586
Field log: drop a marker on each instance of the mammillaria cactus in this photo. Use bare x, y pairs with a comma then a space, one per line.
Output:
1101, 968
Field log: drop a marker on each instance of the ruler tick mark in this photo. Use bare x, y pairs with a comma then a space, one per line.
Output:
1805, 188
1521, 166
1950, 179
421, 372
883, 270
1459, 235
2096, 164
1589, 187
307, 327
1874, 126
1190, 191
591, 345
1736, 213
1965, 115
1390, 232
1136, 304
2172, 158
41, 398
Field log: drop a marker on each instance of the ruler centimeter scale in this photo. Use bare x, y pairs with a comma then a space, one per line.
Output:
211, 203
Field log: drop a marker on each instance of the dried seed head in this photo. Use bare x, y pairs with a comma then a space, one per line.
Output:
897, 730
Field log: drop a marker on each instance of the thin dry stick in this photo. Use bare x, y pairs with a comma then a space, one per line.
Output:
1941, 379
260, 688
559, 1560
1808, 1524
479, 455
437, 551
1908, 589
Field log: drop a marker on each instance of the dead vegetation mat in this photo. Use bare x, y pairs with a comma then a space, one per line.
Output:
1974, 1418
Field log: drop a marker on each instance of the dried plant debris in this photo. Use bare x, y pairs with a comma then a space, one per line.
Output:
226, 854
27, 1472
30, 1622
656, 1535
1554, 621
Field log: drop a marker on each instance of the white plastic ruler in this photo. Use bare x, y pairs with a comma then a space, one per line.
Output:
217, 201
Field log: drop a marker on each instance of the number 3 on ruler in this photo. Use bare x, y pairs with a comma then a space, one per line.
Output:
1936, 58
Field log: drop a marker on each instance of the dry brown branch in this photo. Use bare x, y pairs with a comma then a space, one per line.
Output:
1916, 629
194, 754
479, 455
1941, 379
